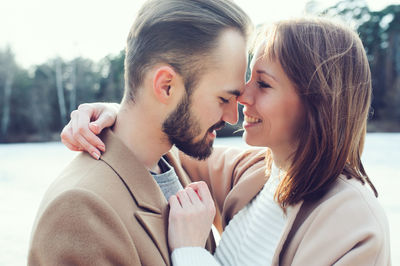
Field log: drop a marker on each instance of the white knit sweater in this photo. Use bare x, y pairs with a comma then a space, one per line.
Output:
250, 238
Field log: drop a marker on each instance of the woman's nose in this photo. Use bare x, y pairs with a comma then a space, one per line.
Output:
246, 97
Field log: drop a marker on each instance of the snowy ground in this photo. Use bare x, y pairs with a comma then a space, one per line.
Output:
26, 170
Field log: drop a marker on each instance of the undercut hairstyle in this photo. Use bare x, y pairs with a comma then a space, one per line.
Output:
180, 33
328, 65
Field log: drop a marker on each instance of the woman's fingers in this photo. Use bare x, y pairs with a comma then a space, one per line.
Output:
190, 219
188, 198
81, 133
82, 126
102, 115
68, 140
71, 147
105, 119
93, 151
91, 120
203, 192
174, 203
193, 196
184, 199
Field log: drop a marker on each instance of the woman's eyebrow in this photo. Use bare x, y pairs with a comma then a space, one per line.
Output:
266, 73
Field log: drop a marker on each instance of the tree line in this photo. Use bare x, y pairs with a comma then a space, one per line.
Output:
35, 103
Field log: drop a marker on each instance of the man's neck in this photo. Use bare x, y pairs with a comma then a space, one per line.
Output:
142, 134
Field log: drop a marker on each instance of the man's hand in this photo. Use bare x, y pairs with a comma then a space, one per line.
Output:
192, 212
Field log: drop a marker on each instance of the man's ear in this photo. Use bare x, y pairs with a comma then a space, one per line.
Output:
164, 79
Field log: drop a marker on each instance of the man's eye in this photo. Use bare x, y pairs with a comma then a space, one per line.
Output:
223, 100
262, 84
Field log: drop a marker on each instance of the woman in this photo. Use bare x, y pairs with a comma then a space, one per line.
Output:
302, 199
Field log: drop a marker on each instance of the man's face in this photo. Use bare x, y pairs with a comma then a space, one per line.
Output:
191, 126
183, 128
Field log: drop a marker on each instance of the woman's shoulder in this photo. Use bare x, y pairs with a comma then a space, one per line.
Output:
356, 193
353, 196
349, 202
348, 215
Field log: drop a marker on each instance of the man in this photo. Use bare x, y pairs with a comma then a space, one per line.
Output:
185, 64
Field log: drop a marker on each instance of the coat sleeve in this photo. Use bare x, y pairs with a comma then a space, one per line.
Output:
79, 228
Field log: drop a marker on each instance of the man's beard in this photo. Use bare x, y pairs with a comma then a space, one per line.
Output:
182, 128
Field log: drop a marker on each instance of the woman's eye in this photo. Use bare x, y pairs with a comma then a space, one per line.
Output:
262, 84
223, 100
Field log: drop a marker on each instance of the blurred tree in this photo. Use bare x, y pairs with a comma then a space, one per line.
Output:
72, 87
8, 67
82, 79
112, 80
45, 111
21, 125
60, 91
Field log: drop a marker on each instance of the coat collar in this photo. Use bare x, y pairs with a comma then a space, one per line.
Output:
136, 177
143, 189
243, 192
282, 245
172, 158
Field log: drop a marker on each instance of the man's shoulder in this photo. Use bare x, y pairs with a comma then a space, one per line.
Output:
77, 224
89, 177
86, 173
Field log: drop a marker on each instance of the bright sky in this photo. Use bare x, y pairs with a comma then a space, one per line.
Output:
41, 29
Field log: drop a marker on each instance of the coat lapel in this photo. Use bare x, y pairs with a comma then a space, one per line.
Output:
242, 193
173, 161
143, 189
156, 226
292, 214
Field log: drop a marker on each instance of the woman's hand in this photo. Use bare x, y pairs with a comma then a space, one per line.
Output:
192, 212
87, 122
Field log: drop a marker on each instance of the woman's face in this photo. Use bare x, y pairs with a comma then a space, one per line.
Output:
272, 109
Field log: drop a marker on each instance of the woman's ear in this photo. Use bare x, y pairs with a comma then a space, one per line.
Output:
164, 80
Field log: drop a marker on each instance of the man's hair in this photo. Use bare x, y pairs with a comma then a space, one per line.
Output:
328, 65
180, 33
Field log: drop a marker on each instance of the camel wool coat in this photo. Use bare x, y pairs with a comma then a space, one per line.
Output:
346, 226
104, 212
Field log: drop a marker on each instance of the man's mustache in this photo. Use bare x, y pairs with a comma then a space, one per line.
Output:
217, 126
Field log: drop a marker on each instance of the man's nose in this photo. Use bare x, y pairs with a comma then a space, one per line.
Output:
231, 113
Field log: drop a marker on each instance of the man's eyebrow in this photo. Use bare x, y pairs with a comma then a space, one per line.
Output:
236, 93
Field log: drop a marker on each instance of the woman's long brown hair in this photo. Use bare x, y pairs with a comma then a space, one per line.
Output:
328, 66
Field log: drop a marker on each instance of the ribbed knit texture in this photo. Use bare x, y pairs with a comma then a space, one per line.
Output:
250, 238
168, 180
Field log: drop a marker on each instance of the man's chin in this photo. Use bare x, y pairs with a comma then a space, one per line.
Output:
199, 153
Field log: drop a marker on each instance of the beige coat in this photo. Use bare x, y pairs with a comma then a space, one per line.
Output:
347, 226
106, 212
